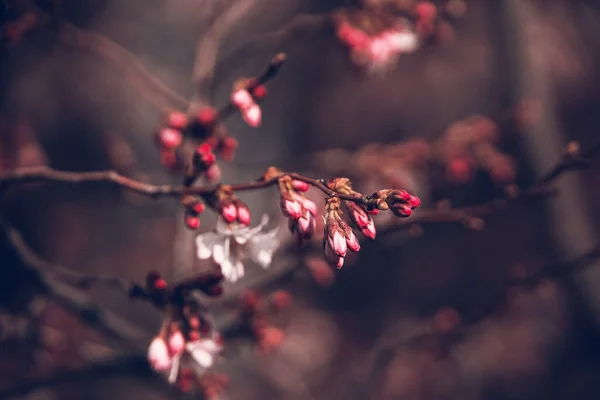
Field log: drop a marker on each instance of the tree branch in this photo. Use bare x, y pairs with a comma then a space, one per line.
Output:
208, 47
73, 300
572, 160
132, 69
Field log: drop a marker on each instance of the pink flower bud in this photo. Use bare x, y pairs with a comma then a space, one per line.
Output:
414, 202
213, 173
176, 343
402, 210
242, 99
337, 242
158, 355
351, 36
260, 92
369, 230
358, 214
207, 116
170, 138
252, 116
310, 206
300, 186
352, 241
229, 213
307, 225
290, 208
192, 222
243, 214
177, 120
333, 258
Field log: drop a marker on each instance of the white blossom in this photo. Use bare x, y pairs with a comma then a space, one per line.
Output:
229, 245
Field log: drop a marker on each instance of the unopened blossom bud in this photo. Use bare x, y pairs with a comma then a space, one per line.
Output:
358, 214
414, 202
227, 147
335, 238
351, 239
290, 208
158, 355
204, 158
177, 120
168, 158
259, 92
332, 257
402, 210
169, 138
192, 222
229, 212
252, 116
243, 213
176, 343
300, 186
426, 10
242, 99
207, 116
213, 173
198, 208
304, 227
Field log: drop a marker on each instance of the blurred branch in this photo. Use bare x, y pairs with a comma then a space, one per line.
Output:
126, 365
72, 299
572, 160
208, 47
133, 70
274, 40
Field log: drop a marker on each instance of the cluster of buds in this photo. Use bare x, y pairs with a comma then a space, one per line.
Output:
471, 144
378, 50
253, 318
193, 209
300, 211
362, 218
339, 236
400, 202
231, 208
186, 345
245, 95
378, 33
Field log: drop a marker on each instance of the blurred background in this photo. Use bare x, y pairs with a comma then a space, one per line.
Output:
499, 308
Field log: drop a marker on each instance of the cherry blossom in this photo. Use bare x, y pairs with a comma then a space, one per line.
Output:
230, 244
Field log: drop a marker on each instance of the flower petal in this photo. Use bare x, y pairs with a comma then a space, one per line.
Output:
262, 247
220, 249
243, 235
174, 369
205, 244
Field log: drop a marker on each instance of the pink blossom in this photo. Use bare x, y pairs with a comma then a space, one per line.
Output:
352, 241
252, 115
243, 215
337, 242
333, 257
300, 186
380, 50
229, 213
291, 208
369, 230
176, 343
213, 173
242, 99
158, 355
